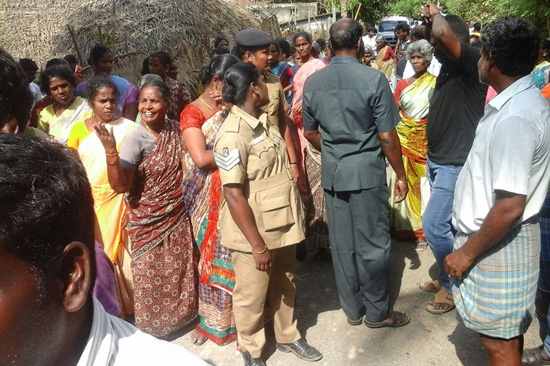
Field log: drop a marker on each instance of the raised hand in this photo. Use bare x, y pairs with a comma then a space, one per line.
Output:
106, 137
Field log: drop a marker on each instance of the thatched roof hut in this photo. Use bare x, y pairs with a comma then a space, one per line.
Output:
133, 28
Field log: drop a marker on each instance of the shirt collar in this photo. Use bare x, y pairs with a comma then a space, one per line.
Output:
343, 59
251, 121
516, 87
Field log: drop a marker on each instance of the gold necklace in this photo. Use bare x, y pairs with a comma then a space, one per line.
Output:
149, 129
206, 104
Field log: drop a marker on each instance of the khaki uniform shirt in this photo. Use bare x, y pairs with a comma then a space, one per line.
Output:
250, 152
275, 109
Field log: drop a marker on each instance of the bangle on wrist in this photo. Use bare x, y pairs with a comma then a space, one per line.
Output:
263, 251
401, 181
293, 162
113, 154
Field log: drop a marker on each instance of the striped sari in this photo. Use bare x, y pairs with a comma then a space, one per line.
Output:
202, 194
413, 103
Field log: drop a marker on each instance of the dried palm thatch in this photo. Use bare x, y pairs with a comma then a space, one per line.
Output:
132, 28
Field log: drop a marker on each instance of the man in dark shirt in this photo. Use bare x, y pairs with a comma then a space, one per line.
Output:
455, 109
354, 107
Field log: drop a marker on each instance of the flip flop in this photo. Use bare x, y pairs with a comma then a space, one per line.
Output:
399, 319
421, 246
534, 356
443, 301
430, 286
198, 339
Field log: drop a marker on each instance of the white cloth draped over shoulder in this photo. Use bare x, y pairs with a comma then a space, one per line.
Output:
114, 342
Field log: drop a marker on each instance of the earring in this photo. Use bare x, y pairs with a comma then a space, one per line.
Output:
215, 86
250, 59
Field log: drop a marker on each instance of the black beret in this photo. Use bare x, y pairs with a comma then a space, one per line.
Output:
253, 38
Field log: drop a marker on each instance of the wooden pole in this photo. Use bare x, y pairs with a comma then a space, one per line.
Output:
357, 12
113, 46
100, 34
73, 37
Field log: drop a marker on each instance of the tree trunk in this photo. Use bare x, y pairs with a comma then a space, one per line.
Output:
344, 8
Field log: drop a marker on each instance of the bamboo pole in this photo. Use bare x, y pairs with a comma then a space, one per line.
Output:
357, 12
73, 37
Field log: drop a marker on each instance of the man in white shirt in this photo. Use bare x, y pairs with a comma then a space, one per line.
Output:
370, 39
498, 195
48, 316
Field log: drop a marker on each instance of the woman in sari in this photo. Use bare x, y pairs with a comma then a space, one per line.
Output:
57, 119
109, 206
101, 60
542, 69
199, 123
160, 64
412, 96
385, 57
164, 257
313, 196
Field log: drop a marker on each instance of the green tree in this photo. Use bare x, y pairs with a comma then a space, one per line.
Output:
538, 11
481, 11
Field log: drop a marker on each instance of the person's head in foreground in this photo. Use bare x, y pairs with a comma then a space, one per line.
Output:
46, 253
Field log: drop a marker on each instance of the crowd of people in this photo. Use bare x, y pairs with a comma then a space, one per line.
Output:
143, 203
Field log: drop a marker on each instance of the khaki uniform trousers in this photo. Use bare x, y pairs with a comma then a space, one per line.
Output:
253, 287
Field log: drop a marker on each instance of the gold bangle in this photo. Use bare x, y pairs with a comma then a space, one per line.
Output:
401, 181
113, 154
263, 251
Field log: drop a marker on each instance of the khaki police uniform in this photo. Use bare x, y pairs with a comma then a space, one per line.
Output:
275, 109
252, 153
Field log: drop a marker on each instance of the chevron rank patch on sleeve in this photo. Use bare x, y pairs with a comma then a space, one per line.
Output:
227, 160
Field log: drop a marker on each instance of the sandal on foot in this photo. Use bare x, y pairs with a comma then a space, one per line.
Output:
421, 246
399, 319
534, 356
441, 304
198, 339
430, 286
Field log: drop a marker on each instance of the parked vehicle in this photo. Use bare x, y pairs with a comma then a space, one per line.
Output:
386, 27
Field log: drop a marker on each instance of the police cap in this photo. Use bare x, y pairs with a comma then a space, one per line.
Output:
253, 38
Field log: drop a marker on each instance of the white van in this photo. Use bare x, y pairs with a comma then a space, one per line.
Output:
386, 27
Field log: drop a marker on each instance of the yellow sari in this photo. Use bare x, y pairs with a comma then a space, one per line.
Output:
109, 206
406, 219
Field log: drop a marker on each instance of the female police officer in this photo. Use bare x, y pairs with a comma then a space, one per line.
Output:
262, 218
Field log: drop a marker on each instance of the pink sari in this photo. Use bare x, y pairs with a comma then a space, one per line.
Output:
305, 71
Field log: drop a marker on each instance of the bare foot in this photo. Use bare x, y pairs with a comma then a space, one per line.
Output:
197, 339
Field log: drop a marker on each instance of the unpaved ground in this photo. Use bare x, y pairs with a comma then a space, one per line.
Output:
427, 340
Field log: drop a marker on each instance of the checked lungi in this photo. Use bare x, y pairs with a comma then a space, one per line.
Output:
496, 296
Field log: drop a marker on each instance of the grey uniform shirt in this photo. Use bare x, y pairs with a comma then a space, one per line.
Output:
351, 103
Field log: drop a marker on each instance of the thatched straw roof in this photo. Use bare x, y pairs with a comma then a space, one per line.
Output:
134, 28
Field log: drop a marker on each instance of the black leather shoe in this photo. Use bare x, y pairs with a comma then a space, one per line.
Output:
301, 349
249, 361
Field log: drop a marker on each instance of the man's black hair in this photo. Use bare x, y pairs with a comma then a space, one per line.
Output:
28, 65
344, 34
513, 43
404, 27
459, 27
45, 200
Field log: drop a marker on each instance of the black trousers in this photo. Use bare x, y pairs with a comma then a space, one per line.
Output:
359, 232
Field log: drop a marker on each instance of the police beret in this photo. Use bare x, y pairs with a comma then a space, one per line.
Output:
253, 38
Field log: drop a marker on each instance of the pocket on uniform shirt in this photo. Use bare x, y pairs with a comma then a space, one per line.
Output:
276, 212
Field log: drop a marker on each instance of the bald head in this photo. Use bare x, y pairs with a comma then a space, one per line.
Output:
345, 34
